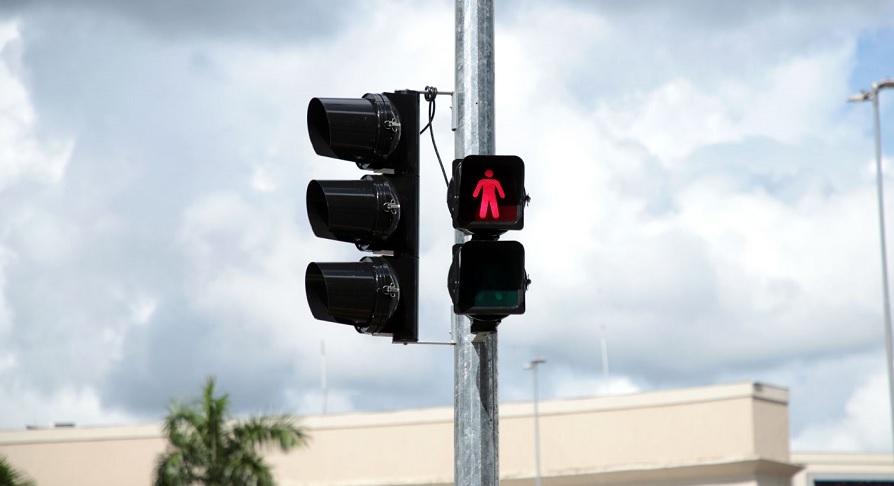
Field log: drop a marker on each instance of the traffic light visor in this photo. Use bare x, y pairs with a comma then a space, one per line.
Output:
363, 211
363, 130
364, 294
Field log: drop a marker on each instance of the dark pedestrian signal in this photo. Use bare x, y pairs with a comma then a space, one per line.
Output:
488, 278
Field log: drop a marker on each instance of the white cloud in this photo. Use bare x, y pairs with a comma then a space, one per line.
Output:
313, 402
782, 101
22, 154
698, 184
585, 386
243, 261
78, 405
6, 313
142, 309
262, 180
865, 426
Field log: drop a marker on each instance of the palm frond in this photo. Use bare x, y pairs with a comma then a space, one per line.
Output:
280, 430
249, 469
204, 447
171, 470
10, 476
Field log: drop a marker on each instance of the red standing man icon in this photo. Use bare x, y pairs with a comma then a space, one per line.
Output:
488, 188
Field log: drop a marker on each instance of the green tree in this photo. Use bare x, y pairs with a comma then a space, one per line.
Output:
206, 447
10, 476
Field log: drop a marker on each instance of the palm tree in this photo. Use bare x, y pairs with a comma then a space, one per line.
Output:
9, 476
205, 447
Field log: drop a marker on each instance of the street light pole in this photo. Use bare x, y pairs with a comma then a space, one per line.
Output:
872, 96
532, 365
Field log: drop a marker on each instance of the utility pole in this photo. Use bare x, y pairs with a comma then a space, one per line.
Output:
476, 421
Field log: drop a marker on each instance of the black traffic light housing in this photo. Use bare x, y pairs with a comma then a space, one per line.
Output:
378, 213
487, 280
477, 177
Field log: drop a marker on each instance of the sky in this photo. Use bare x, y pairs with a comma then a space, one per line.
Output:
703, 202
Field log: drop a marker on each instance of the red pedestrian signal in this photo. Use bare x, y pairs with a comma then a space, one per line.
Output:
488, 188
487, 195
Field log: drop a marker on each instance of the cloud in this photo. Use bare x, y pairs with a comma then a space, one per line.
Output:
866, 425
78, 405
720, 215
262, 21
695, 190
23, 156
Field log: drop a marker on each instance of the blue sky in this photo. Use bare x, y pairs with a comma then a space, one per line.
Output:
155, 157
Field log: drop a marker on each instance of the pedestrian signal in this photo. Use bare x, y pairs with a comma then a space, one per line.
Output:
487, 279
487, 194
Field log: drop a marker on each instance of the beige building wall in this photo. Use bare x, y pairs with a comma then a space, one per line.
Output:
837, 466
85, 456
729, 434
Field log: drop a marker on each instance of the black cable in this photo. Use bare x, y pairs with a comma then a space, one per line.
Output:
430, 94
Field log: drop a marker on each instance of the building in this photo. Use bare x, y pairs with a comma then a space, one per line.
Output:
735, 434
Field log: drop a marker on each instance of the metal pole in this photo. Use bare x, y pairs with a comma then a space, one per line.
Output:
881, 218
324, 387
605, 376
476, 422
533, 367
872, 96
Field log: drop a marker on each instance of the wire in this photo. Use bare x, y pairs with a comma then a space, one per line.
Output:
430, 94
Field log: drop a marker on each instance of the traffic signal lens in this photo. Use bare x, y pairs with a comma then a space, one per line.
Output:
489, 278
497, 298
487, 195
489, 201
493, 280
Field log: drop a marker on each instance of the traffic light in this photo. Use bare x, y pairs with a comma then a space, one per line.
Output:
378, 213
487, 279
487, 194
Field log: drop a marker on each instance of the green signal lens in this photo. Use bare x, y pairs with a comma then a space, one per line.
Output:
496, 287
490, 278
496, 298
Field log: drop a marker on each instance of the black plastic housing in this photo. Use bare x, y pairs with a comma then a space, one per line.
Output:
487, 279
378, 213
468, 190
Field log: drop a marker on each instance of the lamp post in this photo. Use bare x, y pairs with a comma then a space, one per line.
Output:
872, 95
532, 365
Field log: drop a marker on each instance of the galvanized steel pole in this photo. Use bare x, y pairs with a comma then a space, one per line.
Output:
881, 217
872, 96
475, 413
533, 365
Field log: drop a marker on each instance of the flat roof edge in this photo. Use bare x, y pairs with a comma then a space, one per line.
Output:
410, 417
